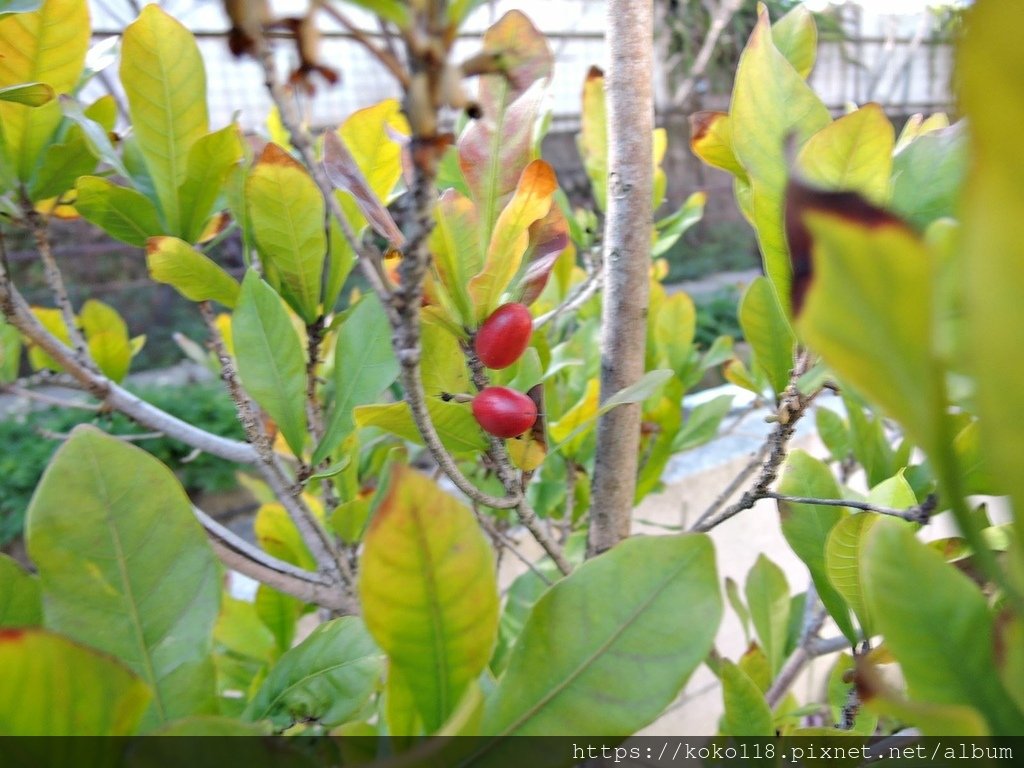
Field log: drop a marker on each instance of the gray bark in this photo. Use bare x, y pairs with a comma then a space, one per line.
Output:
627, 243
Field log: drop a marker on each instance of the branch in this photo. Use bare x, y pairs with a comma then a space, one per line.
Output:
386, 56
54, 279
42, 397
16, 310
576, 299
238, 554
723, 14
919, 513
792, 407
814, 616
319, 542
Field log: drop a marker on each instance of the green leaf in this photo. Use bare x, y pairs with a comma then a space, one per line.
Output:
212, 725
992, 256
454, 422
54, 687
702, 423
164, 80
732, 593
593, 136
673, 329
210, 162
124, 214
844, 553
429, 592
328, 677
287, 213
364, 366
193, 274
51, 44
632, 653
881, 347
768, 598
106, 334
278, 612
270, 358
942, 636
796, 37
673, 227
746, 711
10, 352
394, 11
95, 130
109, 582
29, 94
766, 328
455, 245
833, 433
771, 103
806, 527
21, 602
854, 153
928, 176
61, 165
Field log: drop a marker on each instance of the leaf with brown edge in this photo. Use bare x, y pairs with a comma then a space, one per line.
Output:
801, 199
711, 141
345, 174
549, 237
511, 236
525, 58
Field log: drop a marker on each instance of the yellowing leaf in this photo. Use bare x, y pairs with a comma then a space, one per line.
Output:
582, 412
193, 274
455, 245
378, 154
593, 138
531, 201
164, 80
107, 336
288, 221
46, 46
429, 592
53, 321
711, 141
853, 153
455, 424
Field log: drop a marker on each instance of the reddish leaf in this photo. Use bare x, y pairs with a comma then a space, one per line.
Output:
549, 237
344, 174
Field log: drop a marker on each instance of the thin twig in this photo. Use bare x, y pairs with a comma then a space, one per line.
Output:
919, 513
791, 408
16, 310
319, 542
240, 555
583, 293
723, 14
799, 658
54, 279
42, 397
386, 56
734, 485
511, 545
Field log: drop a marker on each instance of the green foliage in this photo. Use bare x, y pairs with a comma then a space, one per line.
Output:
27, 453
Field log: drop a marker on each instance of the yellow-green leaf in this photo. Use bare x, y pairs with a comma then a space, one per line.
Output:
992, 260
164, 80
711, 141
746, 711
193, 274
107, 337
853, 153
593, 138
46, 46
287, 212
455, 424
796, 37
531, 201
771, 104
52, 686
843, 556
766, 328
367, 134
429, 592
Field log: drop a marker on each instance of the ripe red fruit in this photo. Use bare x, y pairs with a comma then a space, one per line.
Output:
504, 412
504, 336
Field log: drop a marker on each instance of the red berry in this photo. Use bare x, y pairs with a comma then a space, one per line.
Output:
504, 412
504, 336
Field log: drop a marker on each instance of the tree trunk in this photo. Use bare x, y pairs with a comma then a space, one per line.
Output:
627, 244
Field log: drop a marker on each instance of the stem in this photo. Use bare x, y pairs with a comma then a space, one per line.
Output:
626, 264
54, 279
919, 513
385, 56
